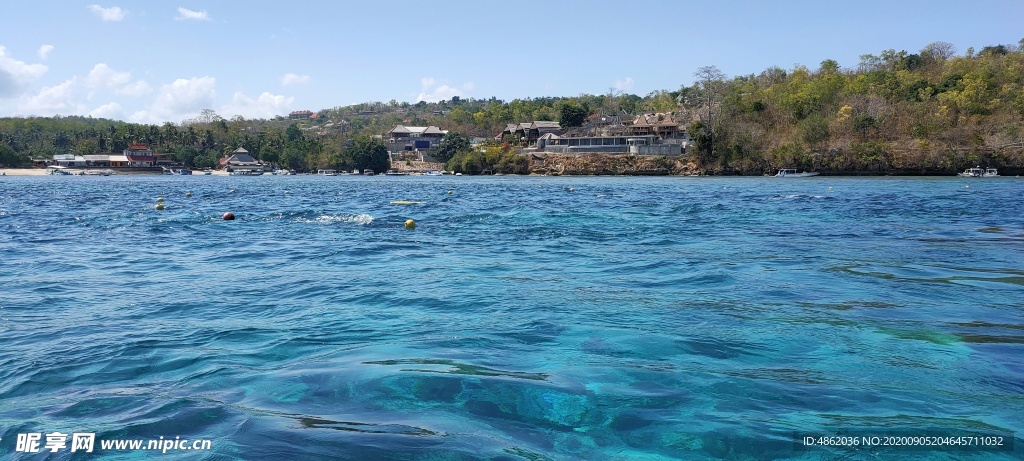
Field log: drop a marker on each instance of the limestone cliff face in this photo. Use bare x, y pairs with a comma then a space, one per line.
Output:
606, 164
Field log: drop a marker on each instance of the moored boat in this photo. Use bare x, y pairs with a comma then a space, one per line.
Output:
979, 172
794, 173
57, 170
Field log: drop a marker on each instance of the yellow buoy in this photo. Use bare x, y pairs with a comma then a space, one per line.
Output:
188, 194
449, 192
159, 199
159, 206
572, 189
410, 224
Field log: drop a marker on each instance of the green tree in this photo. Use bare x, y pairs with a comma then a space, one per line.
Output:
293, 133
452, 143
8, 157
367, 153
571, 115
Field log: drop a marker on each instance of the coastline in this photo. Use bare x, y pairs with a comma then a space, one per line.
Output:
23, 171
42, 172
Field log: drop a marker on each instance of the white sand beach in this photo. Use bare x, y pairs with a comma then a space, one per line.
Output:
23, 171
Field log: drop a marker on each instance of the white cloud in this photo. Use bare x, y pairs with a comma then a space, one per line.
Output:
624, 85
114, 13
179, 100
294, 79
185, 14
265, 106
16, 76
103, 76
110, 110
53, 100
431, 93
44, 51
136, 89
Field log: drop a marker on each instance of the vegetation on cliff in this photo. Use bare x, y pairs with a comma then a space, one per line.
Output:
932, 111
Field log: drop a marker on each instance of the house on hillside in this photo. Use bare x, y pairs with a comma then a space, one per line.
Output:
240, 161
529, 132
648, 134
301, 114
424, 139
662, 125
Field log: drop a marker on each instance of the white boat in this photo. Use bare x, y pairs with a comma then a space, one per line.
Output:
57, 170
433, 173
793, 173
246, 172
979, 172
395, 173
327, 172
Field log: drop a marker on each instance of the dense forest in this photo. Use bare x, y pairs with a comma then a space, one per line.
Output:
933, 111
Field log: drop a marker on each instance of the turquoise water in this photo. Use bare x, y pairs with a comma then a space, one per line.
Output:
524, 318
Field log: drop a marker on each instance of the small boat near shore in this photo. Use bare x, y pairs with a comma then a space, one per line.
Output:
794, 173
92, 172
979, 172
57, 170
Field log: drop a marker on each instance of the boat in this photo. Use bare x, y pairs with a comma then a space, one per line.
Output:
793, 173
207, 171
434, 173
327, 172
368, 172
246, 172
57, 170
395, 173
979, 172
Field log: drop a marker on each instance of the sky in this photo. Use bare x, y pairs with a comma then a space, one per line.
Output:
165, 61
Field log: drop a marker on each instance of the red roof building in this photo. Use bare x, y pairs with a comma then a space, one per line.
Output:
140, 155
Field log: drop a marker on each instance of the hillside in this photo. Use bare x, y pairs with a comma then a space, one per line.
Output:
929, 112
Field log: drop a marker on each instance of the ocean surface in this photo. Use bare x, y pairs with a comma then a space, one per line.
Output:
524, 318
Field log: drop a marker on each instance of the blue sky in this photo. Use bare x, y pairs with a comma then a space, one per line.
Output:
158, 61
